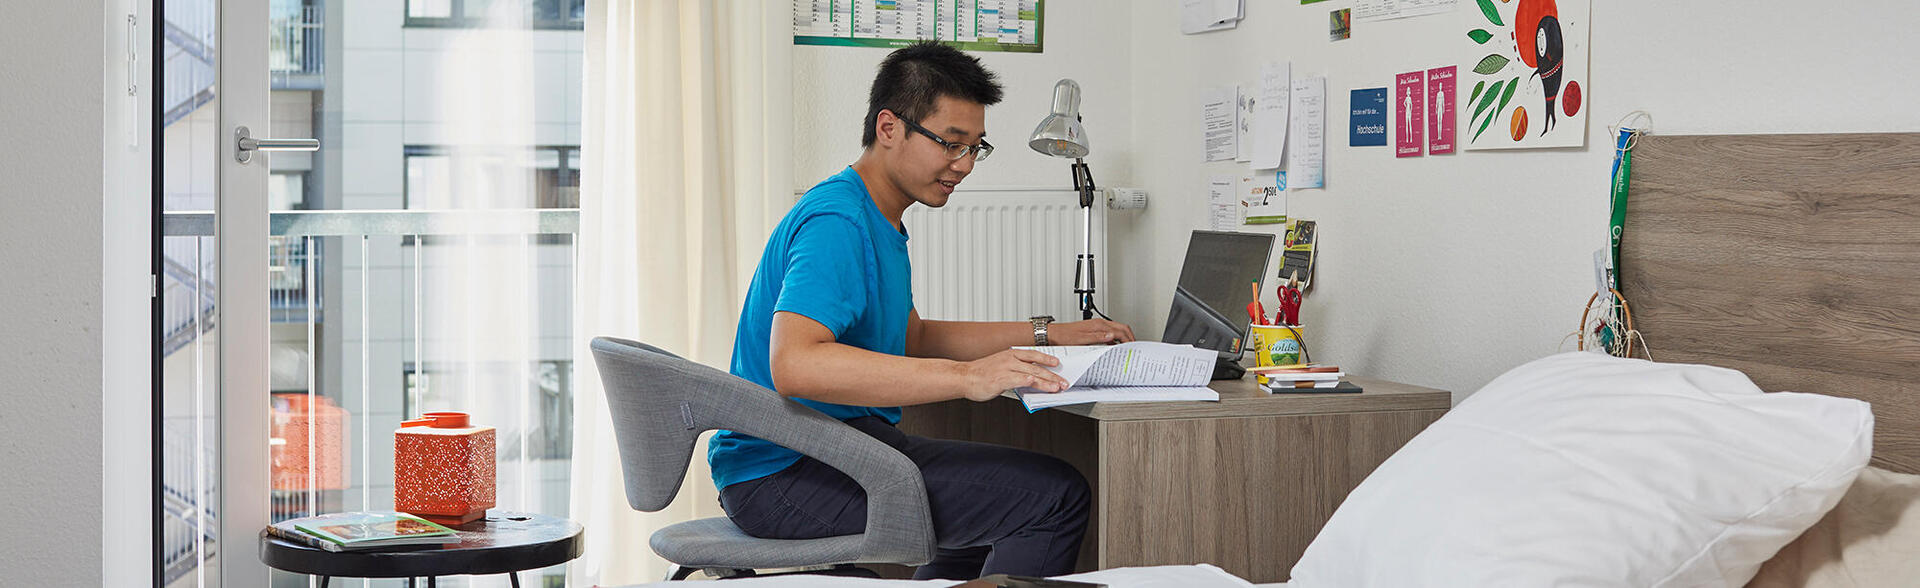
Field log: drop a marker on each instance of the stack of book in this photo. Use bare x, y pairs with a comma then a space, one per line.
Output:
355, 531
1303, 378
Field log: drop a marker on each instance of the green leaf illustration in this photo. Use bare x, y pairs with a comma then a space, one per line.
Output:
1479, 36
1493, 14
1476, 91
1508, 95
1491, 64
1504, 97
1485, 101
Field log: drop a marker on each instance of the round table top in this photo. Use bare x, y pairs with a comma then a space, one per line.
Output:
499, 543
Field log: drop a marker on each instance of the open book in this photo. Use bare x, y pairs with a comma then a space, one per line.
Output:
1138, 371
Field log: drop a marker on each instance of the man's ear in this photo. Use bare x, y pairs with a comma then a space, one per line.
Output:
886, 127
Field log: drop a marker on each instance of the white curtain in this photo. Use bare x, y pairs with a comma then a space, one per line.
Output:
686, 166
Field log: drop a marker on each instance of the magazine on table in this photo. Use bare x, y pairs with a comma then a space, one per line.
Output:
353, 531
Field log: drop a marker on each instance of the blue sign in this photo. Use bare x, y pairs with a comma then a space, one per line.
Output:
1369, 118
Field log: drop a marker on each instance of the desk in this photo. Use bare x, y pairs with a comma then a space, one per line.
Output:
500, 543
1244, 483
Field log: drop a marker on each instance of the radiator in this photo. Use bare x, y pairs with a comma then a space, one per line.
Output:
1002, 254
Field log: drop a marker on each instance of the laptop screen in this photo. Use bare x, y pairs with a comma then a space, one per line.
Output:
1210, 301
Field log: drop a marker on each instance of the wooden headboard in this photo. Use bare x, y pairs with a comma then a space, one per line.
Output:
1793, 258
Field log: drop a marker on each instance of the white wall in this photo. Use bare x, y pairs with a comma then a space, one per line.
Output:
53, 113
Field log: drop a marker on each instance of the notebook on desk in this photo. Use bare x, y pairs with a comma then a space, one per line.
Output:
1344, 387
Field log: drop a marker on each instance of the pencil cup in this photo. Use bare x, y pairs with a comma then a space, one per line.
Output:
1276, 345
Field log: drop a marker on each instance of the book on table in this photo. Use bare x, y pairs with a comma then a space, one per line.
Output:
1136, 371
354, 531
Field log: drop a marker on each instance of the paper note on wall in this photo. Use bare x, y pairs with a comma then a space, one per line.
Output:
1367, 118
1409, 114
1270, 116
1440, 108
1306, 166
1216, 122
1264, 198
1223, 209
1242, 124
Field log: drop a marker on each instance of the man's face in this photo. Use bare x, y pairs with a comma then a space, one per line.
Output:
920, 167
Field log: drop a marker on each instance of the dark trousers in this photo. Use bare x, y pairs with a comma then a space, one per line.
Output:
996, 510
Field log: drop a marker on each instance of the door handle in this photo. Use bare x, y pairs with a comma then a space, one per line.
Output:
244, 145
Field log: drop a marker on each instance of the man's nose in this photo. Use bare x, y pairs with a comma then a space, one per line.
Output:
964, 165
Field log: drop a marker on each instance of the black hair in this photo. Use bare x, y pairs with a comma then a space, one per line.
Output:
912, 78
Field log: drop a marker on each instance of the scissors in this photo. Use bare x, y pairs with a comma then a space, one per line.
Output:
1289, 295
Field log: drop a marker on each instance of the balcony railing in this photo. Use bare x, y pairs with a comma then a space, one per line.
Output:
367, 327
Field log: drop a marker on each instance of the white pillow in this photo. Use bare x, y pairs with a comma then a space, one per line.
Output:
1582, 469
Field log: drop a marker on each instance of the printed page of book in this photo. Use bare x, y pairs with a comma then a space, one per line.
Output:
1136, 363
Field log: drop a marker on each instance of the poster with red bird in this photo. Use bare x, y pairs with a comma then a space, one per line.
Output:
1528, 74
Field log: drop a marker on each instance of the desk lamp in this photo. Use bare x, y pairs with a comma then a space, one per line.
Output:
1060, 135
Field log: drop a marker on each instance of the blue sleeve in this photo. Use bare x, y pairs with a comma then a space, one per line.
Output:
826, 273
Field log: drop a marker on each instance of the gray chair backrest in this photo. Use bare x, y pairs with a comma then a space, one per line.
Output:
661, 403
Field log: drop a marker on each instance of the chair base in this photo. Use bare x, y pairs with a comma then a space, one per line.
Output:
680, 572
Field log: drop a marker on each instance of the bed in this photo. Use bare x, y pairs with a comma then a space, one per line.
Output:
1794, 259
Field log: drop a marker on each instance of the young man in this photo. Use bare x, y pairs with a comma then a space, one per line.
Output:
829, 321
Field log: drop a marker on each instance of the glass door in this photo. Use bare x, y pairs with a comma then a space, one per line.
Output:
421, 260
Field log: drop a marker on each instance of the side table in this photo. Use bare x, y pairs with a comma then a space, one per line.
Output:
500, 543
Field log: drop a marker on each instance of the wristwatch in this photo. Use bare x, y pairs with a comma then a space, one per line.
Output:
1040, 328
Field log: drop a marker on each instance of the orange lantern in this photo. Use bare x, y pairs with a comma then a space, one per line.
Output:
443, 468
307, 443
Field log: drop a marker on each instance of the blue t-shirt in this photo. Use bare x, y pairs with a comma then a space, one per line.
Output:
834, 259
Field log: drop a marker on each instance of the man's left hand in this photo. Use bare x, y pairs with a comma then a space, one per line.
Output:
1089, 332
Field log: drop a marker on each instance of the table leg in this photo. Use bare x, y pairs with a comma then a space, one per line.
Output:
324, 580
410, 582
433, 582
515, 576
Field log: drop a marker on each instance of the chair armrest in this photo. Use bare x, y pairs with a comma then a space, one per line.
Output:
899, 521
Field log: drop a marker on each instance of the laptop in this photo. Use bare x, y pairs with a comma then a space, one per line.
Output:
1210, 300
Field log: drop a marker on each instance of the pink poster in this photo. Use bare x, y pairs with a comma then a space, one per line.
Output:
1410, 105
1440, 109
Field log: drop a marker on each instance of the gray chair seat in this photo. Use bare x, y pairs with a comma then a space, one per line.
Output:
717, 543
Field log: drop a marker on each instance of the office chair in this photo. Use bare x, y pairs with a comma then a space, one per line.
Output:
661, 403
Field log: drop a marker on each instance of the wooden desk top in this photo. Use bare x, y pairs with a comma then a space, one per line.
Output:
1243, 398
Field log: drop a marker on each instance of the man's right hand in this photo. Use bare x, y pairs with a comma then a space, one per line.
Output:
988, 376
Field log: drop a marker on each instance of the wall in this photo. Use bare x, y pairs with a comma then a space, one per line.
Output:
51, 110
1430, 272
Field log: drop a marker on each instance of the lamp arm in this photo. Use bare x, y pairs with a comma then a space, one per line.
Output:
1083, 278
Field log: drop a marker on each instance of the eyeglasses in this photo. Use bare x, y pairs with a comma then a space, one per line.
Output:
955, 151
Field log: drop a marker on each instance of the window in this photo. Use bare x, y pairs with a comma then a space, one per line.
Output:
466, 14
553, 175
548, 432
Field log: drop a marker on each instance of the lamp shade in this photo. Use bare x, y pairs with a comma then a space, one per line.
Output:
1060, 134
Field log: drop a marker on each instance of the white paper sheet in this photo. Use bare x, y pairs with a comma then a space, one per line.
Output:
1218, 135
1136, 371
1364, 10
1270, 114
1306, 168
1243, 99
1223, 209
1134, 363
1199, 16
